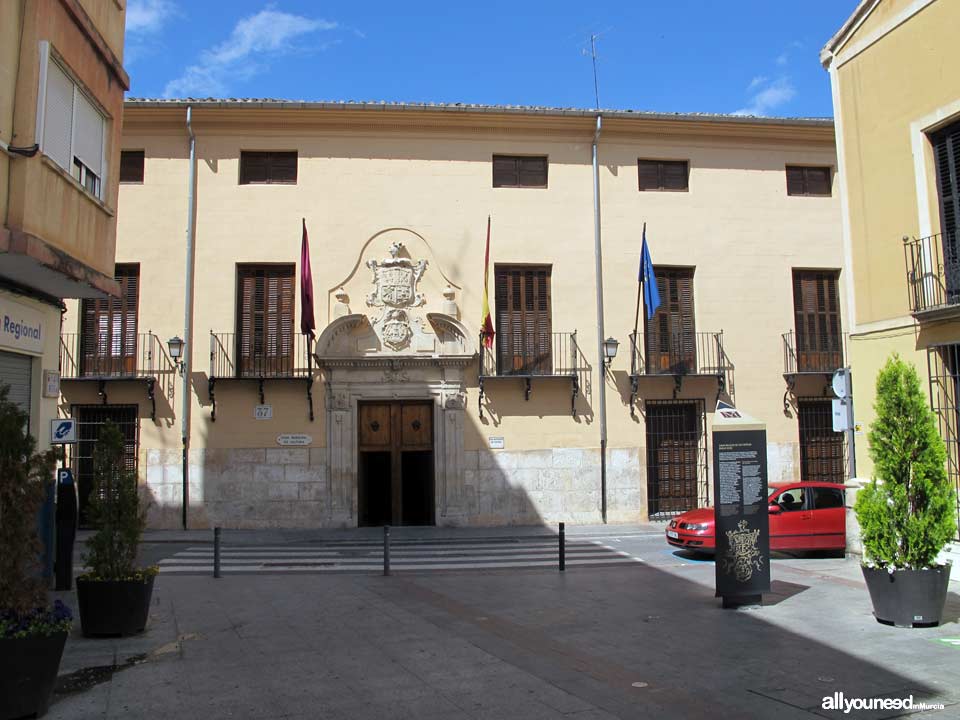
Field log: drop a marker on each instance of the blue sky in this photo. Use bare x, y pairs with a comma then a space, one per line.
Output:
749, 56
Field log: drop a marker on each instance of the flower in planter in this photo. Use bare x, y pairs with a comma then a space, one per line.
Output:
40, 622
907, 513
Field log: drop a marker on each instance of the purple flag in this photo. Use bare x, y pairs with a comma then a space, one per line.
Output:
307, 323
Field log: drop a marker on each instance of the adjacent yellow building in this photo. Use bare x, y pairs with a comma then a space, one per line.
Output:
896, 98
397, 413
61, 106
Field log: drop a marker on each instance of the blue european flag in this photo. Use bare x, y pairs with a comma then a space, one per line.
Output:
651, 294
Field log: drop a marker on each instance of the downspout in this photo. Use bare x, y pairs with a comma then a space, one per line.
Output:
185, 368
601, 364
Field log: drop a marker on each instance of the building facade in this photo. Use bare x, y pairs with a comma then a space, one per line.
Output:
398, 413
900, 192
61, 106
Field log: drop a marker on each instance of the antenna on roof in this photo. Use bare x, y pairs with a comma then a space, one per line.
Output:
593, 55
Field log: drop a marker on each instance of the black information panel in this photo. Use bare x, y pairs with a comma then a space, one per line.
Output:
740, 510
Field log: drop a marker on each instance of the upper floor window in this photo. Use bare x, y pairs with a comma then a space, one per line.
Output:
519, 171
268, 168
663, 175
808, 180
265, 305
671, 339
108, 328
946, 151
71, 128
131, 166
524, 325
816, 310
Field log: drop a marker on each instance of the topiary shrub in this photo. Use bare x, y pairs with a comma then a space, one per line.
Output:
24, 473
114, 511
907, 512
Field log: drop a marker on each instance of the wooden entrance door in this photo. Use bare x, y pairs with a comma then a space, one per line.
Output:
396, 463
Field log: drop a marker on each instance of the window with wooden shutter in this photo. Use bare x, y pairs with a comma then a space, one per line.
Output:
808, 180
524, 328
519, 171
131, 166
108, 329
265, 306
821, 449
946, 150
663, 175
268, 168
671, 333
816, 307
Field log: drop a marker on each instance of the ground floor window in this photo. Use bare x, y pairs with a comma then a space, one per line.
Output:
90, 420
676, 457
821, 449
16, 373
943, 365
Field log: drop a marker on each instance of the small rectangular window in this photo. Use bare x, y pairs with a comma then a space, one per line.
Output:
808, 180
268, 168
519, 171
131, 166
663, 175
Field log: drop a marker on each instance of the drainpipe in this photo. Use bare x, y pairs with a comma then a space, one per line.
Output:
185, 368
600, 332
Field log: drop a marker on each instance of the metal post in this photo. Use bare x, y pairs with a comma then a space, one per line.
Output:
216, 552
601, 364
563, 549
386, 550
186, 367
851, 430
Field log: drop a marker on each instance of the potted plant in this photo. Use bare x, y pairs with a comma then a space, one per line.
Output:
32, 634
907, 512
114, 594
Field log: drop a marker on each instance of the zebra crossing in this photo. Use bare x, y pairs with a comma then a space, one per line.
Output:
366, 556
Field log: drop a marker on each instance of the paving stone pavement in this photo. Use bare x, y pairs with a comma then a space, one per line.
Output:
634, 640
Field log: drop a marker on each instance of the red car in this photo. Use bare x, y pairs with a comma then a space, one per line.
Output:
803, 516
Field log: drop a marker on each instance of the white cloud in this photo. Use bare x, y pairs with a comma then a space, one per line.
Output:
782, 58
768, 96
756, 82
148, 16
254, 40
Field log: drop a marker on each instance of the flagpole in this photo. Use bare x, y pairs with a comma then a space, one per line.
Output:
636, 320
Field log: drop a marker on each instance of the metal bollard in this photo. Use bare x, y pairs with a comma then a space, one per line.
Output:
386, 549
216, 552
563, 549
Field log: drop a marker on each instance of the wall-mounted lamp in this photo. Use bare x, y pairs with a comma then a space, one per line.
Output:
175, 348
610, 346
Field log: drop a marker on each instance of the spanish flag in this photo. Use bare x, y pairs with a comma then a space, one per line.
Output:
487, 332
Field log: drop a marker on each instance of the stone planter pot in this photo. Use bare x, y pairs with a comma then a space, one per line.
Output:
28, 672
908, 598
113, 607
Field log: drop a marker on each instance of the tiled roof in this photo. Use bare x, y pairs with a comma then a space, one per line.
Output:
466, 107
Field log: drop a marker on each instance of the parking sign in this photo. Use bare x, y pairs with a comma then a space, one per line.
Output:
63, 431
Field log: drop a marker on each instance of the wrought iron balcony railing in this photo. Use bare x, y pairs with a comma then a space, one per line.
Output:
537, 355
86, 356
138, 356
806, 353
699, 353
234, 357
933, 271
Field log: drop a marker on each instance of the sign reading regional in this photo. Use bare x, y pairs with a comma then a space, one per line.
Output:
63, 431
21, 328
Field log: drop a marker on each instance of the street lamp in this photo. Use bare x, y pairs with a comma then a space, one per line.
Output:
610, 346
175, 348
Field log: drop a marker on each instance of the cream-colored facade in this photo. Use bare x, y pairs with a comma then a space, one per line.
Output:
58, 58
896, 92
413, 184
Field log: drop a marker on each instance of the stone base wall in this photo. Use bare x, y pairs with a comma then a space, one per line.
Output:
290, 487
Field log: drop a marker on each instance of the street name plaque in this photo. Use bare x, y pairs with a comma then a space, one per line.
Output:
740, 507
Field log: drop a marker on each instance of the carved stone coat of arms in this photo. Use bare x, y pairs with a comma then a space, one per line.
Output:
395, 282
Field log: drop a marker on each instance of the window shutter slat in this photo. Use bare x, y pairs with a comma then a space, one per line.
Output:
131, 166
817, 181
58, 116
88, 134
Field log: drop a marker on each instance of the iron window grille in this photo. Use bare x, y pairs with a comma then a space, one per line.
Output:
943, 368
677, 479
822, 450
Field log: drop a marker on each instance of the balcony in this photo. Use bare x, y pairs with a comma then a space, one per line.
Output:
933, 275
139, 358
805, 354
537, 356
286, 359
686, 355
